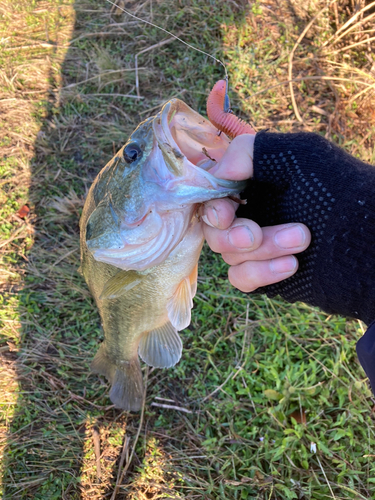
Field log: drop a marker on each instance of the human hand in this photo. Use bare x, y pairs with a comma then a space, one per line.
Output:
258, 256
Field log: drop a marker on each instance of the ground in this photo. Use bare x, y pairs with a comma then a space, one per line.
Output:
269, 400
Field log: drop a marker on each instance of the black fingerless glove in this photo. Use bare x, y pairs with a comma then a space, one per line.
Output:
304, 178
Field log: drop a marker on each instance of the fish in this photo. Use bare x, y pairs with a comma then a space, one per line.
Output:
141, 237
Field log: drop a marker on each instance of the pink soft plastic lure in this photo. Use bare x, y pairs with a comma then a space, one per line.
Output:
221, 117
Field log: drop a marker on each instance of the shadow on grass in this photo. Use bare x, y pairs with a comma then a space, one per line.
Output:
57, 402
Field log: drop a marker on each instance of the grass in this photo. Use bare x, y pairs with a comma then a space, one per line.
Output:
261, 382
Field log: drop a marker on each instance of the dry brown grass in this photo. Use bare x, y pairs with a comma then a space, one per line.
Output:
334, 91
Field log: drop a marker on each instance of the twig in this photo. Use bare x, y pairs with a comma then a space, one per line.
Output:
352, 99
129, 461
301, 79
112, 95
126, 23
64, 256
163, 42
165, 399
325, 477
320, 111
189, 457
96, 439
87, 35
290, 65
347, 47
246, 331
171, 34
111, 71
18, 99
231, 375
171, 407
356, 25
14, 236
122, 112
124, 454
336, 16
148, 110
59, 383
348, 23
310, 355
32, 46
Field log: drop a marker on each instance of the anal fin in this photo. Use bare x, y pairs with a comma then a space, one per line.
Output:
162, 347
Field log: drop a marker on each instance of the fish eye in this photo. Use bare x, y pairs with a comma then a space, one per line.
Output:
132, 152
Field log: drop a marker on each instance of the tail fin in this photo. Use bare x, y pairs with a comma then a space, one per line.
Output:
126, 379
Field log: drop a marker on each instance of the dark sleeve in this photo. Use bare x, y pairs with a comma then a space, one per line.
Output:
366, 354
305, 178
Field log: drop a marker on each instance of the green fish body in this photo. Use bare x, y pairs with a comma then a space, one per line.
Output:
141, 238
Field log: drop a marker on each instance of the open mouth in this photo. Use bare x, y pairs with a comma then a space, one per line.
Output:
181, 132
190, 145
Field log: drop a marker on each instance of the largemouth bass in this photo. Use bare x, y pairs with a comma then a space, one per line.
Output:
141, 238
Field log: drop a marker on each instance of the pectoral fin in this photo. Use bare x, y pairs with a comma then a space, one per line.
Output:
120, 283
162, 347
180, 305
193, 278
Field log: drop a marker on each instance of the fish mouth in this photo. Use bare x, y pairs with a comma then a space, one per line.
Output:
191, 145
173, 178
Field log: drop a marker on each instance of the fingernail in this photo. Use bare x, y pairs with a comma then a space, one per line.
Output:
205, 219
283, 265
290, 237
210, 217
241, 237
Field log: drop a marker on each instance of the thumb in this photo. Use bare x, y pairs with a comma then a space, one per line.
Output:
237, 161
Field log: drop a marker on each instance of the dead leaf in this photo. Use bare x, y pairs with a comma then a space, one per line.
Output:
299, 416
23, 211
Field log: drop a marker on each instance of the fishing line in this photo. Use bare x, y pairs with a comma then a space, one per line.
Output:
173, 35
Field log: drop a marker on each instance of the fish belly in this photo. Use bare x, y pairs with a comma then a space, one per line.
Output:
145, 319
